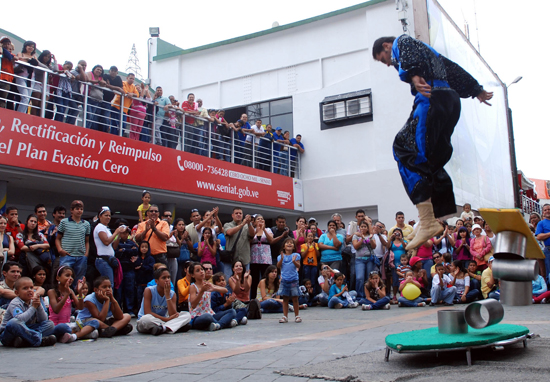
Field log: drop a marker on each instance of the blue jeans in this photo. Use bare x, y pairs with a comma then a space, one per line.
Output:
427, 265
77, 263
547, 262
271, 306
223, 318
337, 300
410, 303
93, 114
475, 284
73, 110
472, 295
310, 272
115, 120
494, 295
363, 268
61, 103
446, 295
105, 269
376, 305
31, 333
242, 312
321, 299
127, 291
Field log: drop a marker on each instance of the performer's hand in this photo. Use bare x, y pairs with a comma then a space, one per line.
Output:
484, 96
422, 86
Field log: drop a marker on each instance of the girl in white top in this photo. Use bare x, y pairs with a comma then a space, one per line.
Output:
105, 261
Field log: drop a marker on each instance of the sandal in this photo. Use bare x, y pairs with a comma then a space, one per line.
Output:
283, 320
298, 319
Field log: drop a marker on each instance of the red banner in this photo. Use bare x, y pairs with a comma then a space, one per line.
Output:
41, 144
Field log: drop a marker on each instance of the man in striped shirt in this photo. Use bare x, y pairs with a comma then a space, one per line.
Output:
72, 241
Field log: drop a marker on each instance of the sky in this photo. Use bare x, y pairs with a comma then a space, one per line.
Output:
508, 35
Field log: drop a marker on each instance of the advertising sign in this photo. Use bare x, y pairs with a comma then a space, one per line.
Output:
41, 144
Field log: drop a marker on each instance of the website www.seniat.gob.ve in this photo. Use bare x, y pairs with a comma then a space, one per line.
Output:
228, 189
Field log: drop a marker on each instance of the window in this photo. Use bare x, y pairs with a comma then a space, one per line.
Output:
346, 109
277, 113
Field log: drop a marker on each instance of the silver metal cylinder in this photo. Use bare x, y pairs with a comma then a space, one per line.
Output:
473, 316
516, 293
515, 270
510, 245
451, 322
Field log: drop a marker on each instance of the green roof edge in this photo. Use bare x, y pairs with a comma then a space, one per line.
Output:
268, 31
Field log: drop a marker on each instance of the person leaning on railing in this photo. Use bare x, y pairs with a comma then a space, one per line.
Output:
94, 116
6, 77
138, 112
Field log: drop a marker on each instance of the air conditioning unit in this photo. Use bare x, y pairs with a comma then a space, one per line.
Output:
334, 111
358, 106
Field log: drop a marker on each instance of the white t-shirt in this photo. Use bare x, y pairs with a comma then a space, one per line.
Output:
102, 249
446, 280
380, 250
256, 129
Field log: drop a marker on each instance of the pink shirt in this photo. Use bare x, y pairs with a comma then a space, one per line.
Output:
64, 315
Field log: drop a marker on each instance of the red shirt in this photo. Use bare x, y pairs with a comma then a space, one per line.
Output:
17, 242
188, 106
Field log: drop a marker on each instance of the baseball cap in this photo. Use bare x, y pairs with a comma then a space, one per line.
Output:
478, 217
476, 226
4, 38
312, 219
278, 128
414, 260
491, 259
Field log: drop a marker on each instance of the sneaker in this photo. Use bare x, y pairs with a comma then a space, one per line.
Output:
157, 330
387, 307
125, 330
543, 301
338, 306
234, 323
91, 336
48, 341
400, 304
432, 304
447, 304
108, 333
421, 304
254, 310
353, 305
244, 321
68, 338
366, 307
19, 343
213, 326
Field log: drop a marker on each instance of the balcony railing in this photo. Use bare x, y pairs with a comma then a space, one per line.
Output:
140, 120
529, 205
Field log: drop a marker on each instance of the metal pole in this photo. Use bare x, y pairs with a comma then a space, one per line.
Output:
154, 128
271, 154
232, 146
183, 132
253, 153
121, 121
44, 95
289, 164
209, 139
85, 107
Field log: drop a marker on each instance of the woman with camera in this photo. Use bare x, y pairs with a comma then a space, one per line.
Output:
364, 244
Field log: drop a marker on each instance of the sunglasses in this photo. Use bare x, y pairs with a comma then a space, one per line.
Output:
167, 216
154, 211
194, 210
373, 273
207, 269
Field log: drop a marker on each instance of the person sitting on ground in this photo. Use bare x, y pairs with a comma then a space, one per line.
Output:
202, 315
540, 291
153, 282
461, 280
267, 292
420, 275
240, 284
440, 289
183, 288
475, 276
307, 294
63, 299
337, 298
489, 286
325, 281
375, 294
102, 306
25, 321
11, 272
224, 301
405, 302
158, 313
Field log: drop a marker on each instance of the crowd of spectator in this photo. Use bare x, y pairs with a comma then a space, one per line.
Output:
207, 132
199, 273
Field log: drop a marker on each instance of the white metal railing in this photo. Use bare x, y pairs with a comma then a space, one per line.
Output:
529, 205
141, 121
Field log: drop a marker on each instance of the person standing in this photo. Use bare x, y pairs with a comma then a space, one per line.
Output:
73, 241
130, 91
156, 232
543, 234
241, 243
423, 146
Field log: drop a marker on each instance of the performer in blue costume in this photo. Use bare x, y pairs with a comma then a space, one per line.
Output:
423, 146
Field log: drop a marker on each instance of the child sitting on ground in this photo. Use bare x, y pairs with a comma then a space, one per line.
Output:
540, 291
403, 301
223, 301
25, 321
337, 298
440, 289
62, 299
102, 306
268, 288
153, 282
158, 313
375, 294
183, 289
307, 294
475, 276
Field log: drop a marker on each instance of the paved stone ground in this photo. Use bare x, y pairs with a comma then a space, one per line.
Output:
333, 345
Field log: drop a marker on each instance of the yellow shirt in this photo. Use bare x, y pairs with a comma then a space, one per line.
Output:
485, 277
407, 230
127, 100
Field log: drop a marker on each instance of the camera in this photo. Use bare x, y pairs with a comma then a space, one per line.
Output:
310, 260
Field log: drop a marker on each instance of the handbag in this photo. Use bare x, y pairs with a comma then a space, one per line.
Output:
185, 255
172, 250
226, 255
